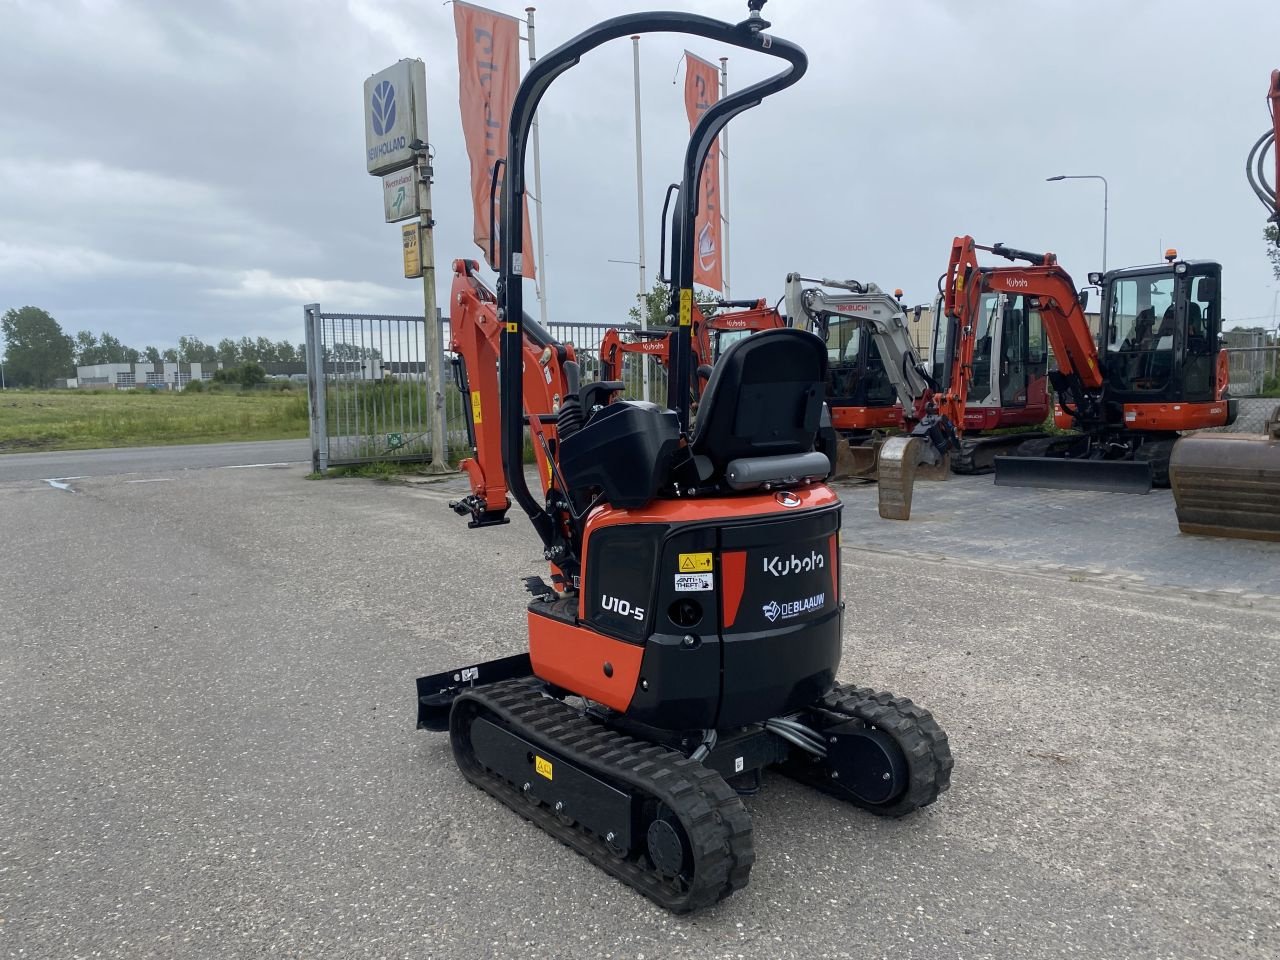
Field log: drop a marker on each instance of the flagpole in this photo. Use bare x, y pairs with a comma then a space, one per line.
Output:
724, 183
541, 285
642, 298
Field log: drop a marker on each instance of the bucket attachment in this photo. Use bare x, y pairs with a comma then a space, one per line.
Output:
1065, 473
899, 459
437, 692
856, 462
1228, 484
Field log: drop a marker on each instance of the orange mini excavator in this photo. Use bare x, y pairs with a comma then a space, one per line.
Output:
1156, 368
710, 337
1228, 484
692, 630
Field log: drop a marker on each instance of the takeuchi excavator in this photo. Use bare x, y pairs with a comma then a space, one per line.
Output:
930, 410
1155, 369
1228, 485
691, 631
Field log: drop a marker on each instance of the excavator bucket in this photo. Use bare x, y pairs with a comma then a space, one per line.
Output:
1065, 473
1228, 484
900, 461
856, 462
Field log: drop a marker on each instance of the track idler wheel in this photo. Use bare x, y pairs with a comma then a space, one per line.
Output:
887, 755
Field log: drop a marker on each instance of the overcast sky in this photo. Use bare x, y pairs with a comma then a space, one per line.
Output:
172, 167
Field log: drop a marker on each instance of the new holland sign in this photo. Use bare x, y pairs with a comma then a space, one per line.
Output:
395, 114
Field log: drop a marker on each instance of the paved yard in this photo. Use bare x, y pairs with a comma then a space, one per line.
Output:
206, 689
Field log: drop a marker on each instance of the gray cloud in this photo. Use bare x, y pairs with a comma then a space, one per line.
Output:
173, 168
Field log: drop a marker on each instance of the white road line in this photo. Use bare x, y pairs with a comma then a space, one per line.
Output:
156, 480
247, 466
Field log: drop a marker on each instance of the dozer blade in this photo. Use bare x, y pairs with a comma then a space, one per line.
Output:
899, 459
1064, 473
1228, 484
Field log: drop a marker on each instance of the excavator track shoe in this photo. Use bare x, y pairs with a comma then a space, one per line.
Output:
661, 823
899, 459
916, 753
1228, 484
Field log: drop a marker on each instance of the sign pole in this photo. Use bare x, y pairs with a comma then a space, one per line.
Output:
642, 300
435, 355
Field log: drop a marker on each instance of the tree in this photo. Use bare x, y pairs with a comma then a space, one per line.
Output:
657, 299
246, 350
86, 349
195, 350
266, 350
38, 351
152, 354
225, 352
169, 355
1272, 235
285, 352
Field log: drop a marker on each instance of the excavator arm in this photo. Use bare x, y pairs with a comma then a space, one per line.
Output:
811, 308
474, 338
1078, 379
1255, 166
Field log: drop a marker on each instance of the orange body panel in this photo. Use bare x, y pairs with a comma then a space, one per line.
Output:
586, 662
1175, 416
867, 418
733, 577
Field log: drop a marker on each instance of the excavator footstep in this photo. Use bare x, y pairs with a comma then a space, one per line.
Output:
1228, 484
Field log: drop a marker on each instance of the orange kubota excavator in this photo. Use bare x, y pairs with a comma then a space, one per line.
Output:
692, 630
711, 336
1228, 485
1155, 369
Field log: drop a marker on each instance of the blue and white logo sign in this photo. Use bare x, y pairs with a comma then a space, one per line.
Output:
382, 108
395, 115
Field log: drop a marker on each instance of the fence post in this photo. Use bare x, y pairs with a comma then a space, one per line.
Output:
439, 416
316, 388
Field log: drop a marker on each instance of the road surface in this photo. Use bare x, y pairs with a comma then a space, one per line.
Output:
206, 692
117, 460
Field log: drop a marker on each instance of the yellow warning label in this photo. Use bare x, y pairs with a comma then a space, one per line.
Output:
513, 327
543, 767
696, 562
686, 310
475, 406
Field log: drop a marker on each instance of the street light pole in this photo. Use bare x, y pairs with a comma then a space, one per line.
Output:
1105, 204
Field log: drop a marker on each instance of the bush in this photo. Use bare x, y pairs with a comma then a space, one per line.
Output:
246, 375
194, 386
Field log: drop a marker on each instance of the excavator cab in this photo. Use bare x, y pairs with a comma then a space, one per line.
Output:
1159, 342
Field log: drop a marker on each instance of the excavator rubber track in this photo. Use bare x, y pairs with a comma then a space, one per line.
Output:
914, 731
977, 454
661, 823
1228, 484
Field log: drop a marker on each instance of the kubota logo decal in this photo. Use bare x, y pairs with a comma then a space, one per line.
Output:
1018, 282
785, 566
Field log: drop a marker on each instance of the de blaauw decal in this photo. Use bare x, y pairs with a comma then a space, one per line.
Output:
383, 106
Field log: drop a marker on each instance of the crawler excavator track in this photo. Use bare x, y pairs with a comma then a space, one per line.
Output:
661, 823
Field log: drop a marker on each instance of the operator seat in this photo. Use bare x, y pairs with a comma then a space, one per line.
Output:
759, 418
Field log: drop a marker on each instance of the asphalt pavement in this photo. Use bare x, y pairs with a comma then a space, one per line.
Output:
120, 460
206, 689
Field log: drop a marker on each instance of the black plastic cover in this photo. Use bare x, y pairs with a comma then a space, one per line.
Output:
626, 450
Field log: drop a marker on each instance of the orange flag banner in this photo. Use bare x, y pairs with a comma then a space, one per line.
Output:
488, 75
701, 90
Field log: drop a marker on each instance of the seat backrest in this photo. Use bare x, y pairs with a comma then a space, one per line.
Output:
764, 398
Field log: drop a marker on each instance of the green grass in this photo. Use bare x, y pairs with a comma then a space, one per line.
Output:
83, 419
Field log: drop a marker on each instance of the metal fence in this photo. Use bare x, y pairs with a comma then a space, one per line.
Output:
369, 395
1253, 363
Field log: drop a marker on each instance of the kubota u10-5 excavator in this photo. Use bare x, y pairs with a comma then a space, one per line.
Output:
1228, 485
691, 634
